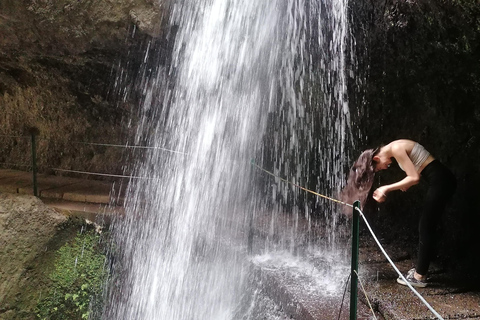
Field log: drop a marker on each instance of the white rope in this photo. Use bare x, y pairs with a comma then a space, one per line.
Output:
396, 269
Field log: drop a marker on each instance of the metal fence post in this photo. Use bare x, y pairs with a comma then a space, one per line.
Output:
34, 163
354, 268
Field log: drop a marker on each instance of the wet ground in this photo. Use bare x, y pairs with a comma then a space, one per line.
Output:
378, 291
286, 290
297, 299
451, 298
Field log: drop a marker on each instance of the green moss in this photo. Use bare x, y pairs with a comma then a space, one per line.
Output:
76, 280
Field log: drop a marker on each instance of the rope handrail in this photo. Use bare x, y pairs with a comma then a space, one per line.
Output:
396, 269
300, 187
102, 174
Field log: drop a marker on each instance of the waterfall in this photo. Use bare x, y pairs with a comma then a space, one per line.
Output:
259, 80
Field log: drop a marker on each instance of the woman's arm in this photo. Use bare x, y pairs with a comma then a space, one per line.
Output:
412, 178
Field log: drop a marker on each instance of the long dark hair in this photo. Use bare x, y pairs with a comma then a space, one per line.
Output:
360, 178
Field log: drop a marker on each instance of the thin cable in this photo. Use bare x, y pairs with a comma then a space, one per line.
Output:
102, 174
106, 144
130, 147
365, 294
343, 298
396, 269
15, 164
298, 186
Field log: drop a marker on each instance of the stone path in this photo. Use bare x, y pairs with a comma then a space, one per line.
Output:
90, 199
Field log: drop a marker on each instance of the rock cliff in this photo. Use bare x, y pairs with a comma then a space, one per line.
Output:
60, 62
28, 231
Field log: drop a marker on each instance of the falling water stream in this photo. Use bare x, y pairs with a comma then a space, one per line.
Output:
261, 80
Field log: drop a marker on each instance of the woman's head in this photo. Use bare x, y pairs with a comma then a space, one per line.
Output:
380, 159
360, 178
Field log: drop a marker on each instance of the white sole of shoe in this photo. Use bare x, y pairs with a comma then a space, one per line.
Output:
413, 284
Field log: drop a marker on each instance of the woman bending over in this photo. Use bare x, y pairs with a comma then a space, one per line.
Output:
417, 163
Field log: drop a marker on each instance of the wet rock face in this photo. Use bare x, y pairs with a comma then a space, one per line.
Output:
59, 65
27, 228
71, 26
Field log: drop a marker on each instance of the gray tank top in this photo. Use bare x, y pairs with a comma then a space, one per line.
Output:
418, 156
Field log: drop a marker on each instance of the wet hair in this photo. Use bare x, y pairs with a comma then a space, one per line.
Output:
360, 179
376, 151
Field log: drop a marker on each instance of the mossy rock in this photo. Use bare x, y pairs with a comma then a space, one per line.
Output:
31, 237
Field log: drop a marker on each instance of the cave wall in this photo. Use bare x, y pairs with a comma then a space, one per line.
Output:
418, 77
62, 72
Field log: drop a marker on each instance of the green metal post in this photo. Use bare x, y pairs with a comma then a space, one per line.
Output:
354, 268
34, 165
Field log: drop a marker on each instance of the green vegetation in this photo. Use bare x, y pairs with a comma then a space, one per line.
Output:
76, 280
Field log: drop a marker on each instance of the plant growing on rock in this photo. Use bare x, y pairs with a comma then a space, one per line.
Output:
76, 280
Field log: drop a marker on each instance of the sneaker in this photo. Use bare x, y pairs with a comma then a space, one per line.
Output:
411, 279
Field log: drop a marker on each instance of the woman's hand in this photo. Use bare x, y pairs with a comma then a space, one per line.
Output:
380, 195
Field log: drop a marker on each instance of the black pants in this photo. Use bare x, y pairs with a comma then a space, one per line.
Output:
441, 186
